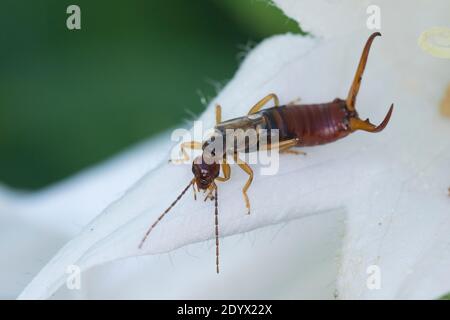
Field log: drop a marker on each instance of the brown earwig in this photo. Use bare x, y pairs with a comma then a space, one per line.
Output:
297, 125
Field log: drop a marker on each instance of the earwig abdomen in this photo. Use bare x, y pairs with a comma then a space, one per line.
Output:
310, 124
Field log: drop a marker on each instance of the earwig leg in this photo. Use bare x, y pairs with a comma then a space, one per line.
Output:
286, 147
226, 172
283, 147
218, 113
244, 166
263, 101
290, 151
194, 145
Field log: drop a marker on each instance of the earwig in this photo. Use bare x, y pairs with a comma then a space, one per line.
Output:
297, 126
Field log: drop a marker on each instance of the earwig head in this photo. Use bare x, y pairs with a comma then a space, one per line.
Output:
205, 171
355, 122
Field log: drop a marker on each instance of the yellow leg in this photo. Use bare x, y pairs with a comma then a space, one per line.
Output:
194, 145
290, 151
284, 147
263, 101
244, 166
287, 149
226, 172
218, 113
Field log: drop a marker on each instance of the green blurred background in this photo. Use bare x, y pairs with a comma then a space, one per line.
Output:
69, 99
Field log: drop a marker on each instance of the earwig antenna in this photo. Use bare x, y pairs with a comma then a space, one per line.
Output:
216, 214
351, 98
195, 192
164, 213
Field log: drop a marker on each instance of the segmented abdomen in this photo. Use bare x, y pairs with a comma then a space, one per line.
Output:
311, 124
